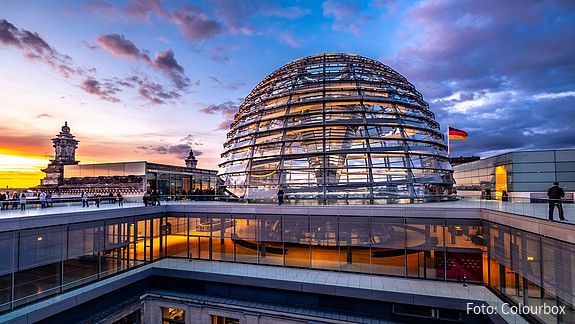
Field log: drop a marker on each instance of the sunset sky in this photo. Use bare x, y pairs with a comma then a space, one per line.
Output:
148, 80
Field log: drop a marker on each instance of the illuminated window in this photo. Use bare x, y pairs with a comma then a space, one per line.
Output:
173, 316
224, 320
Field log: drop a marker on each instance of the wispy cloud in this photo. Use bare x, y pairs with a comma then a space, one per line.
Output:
232, 85
347, 15
35, 48
180, 150
557, 95
105, 90
165, 62
120, 46
193, 22
227, 109
290, 39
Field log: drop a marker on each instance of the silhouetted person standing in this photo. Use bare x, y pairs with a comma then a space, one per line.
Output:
120, 200
488, 194
555, 195
23, 202
280, 196
85, 202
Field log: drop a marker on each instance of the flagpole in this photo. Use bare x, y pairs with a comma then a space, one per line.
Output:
448, 147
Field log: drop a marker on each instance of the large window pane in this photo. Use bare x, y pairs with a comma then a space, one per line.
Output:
40, 246
245, 239
85, 241
7, 248
324, 249
200, 228
296, 240
222, 242
388, 246
5, 291
425, 247
177, 237
116, 256
36, 283
271, 250
354, 242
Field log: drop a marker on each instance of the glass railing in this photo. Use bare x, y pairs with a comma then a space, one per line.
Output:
533, 207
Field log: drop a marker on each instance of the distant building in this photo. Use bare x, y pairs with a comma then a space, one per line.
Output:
66, 176
136, 178
462, 159
526, 174
191, 161
65, 154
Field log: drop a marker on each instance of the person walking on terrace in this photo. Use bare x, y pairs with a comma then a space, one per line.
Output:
120, 199
85, 202
23, 202
555, 195
42, 199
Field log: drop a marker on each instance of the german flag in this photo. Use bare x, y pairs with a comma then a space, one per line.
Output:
457, 134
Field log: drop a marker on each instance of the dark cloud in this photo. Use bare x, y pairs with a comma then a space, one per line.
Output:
142, 9
232, 85
118, 45
191, 140
180, 150
155, 93
227, 109
43, 116
503, 71
34, 47
150, 91
194, 23
165, 62
347, 15
106, 90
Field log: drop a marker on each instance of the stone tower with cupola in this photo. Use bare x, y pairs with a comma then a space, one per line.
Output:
65, 154
191, 161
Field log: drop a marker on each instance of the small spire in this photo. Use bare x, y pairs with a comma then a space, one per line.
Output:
65, 128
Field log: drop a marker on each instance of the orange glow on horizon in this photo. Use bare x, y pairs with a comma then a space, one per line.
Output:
20, 169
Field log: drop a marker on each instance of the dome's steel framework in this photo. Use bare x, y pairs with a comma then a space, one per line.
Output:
336, 128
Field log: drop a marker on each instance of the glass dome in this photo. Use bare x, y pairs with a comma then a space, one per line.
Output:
336, 128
